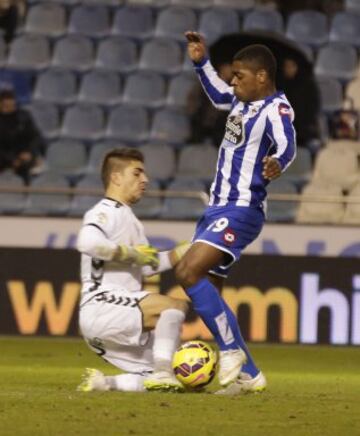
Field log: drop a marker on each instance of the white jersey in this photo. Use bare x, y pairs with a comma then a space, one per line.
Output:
112, 224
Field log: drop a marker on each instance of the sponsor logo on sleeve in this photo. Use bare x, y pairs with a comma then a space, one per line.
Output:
284, 110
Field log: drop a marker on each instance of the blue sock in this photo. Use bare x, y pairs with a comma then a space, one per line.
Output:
249, 366
208, 303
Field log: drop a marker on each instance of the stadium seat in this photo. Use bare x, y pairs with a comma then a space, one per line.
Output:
149, 207
352, 210
199, 4
56, 86
174, 21
115, 3
65, 2
170, 126
162, 56
30, 52
179, 89
281, 211
89, 20
152, 3
197, 162
75, 52
159, 153
83, 202
10, 202
217, 22
66, 157
352, 6
145, 88
134, 22
128, 123
339, 166
3, 52
308, 27
331, 94
47, 118
299, 172
83, 121
117, 54
97, 153
259, 19
46, 19
320, 212
307, 50
100, 87
345, 27
337, 60
48, 204
184, 208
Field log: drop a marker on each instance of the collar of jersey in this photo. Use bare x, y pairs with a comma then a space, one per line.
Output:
266, 99
117, 202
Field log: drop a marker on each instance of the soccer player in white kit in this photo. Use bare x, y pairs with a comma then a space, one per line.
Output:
132, 329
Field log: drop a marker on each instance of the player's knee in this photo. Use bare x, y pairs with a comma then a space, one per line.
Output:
186, 274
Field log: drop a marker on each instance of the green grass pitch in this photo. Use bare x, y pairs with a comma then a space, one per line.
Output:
312, 391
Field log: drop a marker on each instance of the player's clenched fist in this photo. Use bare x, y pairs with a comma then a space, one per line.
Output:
140, 255
271, 168
196, 46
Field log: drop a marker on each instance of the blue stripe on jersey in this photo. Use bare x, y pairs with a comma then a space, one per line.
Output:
217, 96
289, 133
218, 180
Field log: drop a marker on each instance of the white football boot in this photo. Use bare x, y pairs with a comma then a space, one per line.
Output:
230, 363
245, 384
163, 381
93, 380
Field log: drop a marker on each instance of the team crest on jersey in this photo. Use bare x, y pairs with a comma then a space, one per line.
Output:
284, 109
234, 129
229, 236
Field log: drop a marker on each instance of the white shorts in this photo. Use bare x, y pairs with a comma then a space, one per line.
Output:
111, 322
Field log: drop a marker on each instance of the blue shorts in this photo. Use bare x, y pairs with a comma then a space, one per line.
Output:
230, 229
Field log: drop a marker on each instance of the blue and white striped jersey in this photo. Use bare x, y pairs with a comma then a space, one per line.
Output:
253, 130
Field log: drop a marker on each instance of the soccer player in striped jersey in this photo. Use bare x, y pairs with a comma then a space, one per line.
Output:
258, 145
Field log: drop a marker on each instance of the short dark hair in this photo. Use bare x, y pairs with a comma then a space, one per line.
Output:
259, 55
117, 159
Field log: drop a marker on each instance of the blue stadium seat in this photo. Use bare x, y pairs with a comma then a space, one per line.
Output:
337, 60
30, 52
66, 157
170, 126
74, 52
47, 118
162, 56
149, 207
90, 20
152, 3
179, 89
83, 121
114, 3
134, 22
308, 27
46, 19
160, 161
56, 86
117, 54
128, 123
243, 5
100, 87
174, 21
281, 211
184, 208
11, 202
81, 203
331, 94
300, 170
197, 161
145, 88
259, 19
352, 6
217, 22
345, 27
48, 204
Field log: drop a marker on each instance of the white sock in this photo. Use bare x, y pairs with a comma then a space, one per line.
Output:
126, 382
167, 338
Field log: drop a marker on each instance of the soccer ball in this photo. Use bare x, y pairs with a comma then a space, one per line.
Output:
194, 364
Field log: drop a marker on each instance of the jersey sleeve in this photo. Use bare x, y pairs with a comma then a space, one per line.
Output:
219, 92
281, 130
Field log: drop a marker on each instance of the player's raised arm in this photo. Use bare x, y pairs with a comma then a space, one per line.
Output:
218, 91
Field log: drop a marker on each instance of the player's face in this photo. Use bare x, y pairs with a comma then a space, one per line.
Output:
133, 181
246, 82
